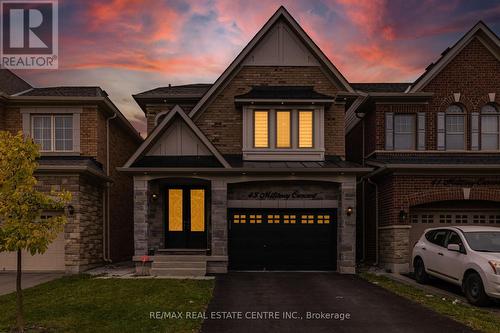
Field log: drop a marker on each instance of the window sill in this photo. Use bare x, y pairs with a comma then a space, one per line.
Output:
59, 153
284, 154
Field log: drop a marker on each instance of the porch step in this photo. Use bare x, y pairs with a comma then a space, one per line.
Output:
179, 271
181, 251
180, 264
179, 258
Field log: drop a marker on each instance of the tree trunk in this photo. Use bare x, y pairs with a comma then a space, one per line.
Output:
19, 294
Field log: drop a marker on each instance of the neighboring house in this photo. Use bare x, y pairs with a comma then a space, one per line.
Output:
250, 172
435, 144
83, 138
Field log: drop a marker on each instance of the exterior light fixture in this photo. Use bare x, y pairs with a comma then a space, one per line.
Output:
154, 197
349, 211
403, 215
71, 210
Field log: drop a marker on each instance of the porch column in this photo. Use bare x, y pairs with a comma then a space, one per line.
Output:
219, 218
346, 262
141, 192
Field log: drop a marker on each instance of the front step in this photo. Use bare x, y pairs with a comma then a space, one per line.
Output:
178, 271
179, 265
181, 251
179, 258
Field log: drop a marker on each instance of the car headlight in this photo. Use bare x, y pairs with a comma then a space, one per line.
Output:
495, 264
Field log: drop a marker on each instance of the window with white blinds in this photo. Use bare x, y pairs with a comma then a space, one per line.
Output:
283, 129
490, 127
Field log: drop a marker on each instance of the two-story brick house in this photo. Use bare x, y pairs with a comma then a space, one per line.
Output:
248, 172
83, 137
435, 147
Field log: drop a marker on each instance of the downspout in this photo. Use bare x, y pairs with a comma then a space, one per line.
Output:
375, 185
106, 232
363, 201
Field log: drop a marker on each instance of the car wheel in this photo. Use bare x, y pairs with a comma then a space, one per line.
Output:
474, 290
420, 274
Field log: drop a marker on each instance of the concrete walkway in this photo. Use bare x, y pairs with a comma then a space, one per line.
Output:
8, 280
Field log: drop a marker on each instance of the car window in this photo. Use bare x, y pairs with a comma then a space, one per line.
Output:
439, 237
454, 238
429, 235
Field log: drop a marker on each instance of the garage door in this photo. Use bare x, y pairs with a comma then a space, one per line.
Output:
424, 219
282, 239
51, 260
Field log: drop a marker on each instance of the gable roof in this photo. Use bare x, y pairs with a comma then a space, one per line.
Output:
160, 129
11, 84
281, 13
480, 31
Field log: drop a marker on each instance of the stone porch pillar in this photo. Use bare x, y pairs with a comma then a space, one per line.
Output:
346, 248
141, 193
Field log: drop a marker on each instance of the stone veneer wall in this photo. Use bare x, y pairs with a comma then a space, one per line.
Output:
394, 247
83, 231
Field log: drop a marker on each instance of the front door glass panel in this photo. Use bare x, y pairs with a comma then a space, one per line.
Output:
175, 210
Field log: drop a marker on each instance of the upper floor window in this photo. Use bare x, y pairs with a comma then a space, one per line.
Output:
490, 127
455, 128
404, 131
283, 133
53, 132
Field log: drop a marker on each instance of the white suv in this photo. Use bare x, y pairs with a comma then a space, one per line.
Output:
468, 256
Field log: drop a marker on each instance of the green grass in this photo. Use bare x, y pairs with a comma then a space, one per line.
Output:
85, 304
471, 316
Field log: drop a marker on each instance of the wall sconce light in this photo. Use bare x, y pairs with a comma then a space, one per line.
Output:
349, 211
403, 216
71, 210
154, 197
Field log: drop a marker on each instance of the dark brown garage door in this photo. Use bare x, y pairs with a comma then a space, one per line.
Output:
282, 239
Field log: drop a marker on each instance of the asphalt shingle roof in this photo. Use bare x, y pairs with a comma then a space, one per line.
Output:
283, 92
183, 91
67, 91
11, 84
381, 87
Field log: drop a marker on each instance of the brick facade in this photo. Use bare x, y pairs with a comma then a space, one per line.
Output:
222, 121
473, 73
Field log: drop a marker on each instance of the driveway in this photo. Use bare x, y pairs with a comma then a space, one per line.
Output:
8, 280
329, 296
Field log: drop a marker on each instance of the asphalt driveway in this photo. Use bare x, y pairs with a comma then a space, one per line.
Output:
8, 280
328, 297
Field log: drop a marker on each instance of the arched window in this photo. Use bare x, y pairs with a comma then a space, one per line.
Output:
490, 127
455, 127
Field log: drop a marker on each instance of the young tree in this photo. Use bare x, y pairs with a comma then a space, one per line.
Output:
21, 206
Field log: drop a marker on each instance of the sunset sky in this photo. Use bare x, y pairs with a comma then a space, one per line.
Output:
128, 46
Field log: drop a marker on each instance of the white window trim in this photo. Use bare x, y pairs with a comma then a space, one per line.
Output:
481, 114
27, 114
316, 153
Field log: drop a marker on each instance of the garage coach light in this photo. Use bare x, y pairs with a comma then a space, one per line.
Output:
403, 216
71, 210
349, 211
154, 197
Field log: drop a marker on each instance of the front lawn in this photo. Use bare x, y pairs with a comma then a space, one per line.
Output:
85, 304
471, 316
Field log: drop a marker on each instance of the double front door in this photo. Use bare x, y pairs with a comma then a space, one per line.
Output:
186, 217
